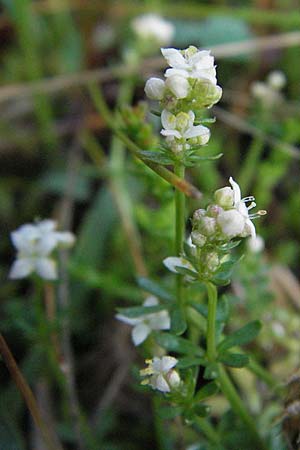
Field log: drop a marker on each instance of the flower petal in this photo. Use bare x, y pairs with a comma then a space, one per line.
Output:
158, 382
21, 268
173, 57
198, 130
139, 333
173, 261
168, 120
160, 321
236, 190
167, 363
129, 320
151, 301
46, 268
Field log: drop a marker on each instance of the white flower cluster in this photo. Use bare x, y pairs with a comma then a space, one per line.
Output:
153, 27
228, 218
268, 92
145, 324
220, 222
161, 374
190, 84
35, 244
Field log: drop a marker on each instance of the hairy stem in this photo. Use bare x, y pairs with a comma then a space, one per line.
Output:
179, 170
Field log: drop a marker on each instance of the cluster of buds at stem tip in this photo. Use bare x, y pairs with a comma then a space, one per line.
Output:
190, 85
160, 374
269, 92
227, 218
153, 28
35, 244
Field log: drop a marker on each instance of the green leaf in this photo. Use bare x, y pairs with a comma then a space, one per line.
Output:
177, 344
234, 359
156, 157
242, 336
169, 412
137, 311
190, 361
206, 391
154, 288
197, 410
185, 271
178, 321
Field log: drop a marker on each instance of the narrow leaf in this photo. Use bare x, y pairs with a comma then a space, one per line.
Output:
177, 344
234, 359
137, 311
206, 391
242, 336
155, 289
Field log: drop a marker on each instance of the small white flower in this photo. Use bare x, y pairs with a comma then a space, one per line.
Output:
145, 324
160, 373
182, 127
190, 63
237, 221
153, 26
35, 243
155, 88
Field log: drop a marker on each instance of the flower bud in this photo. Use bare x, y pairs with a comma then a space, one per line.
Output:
179, 86
198, 239
231, 222
206, 93
214, 210
173, 378
207, 226
198, 214
155, 88
224, 197
212, 261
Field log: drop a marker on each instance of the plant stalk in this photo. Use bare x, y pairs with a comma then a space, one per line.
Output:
26, 393
226, 385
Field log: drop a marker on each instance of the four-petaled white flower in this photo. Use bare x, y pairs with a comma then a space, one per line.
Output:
237, 220
153, 26
35, 243
145, 324
182, 127
160, 373
190, 63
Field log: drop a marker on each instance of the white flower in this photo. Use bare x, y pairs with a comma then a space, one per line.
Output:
190, 63
155, 88
182, 126
237, 221
145, 324
35, 243
160, 373
276, 80
178, 85
152, 26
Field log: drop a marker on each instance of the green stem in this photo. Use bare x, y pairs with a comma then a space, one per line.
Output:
208, 430
179, 171
237, 405
211, 321
226, 385
264, 375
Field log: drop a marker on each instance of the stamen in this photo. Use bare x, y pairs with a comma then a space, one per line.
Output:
252, 205
260, 213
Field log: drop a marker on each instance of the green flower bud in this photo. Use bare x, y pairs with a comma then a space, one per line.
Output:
224, 197
206, 93
198, 239
212, 261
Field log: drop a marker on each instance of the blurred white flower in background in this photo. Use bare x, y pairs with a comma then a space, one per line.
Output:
160, 373
268, 92
145, 324
152, 26
256, 244
35, 243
